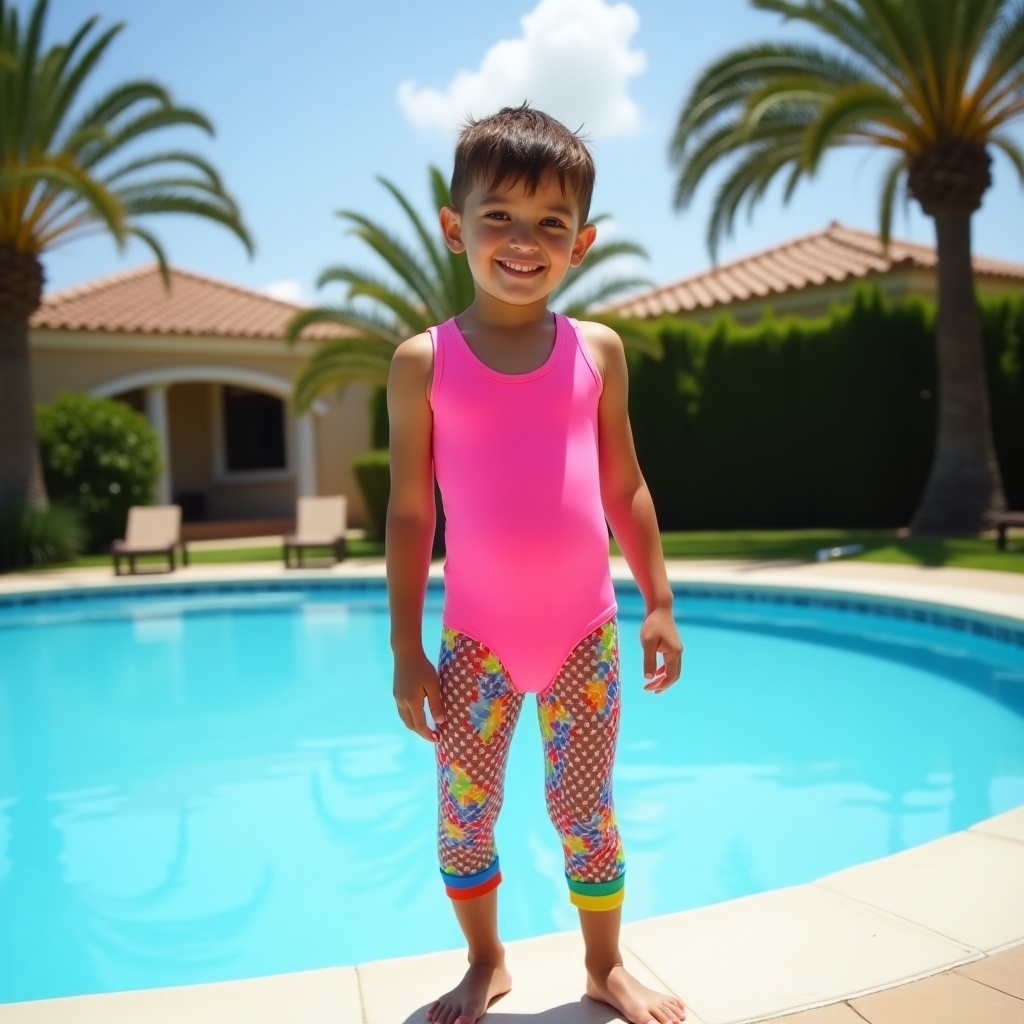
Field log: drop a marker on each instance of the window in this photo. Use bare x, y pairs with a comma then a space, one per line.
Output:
253, 430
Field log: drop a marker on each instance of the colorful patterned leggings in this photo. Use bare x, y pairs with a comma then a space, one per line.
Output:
579, 723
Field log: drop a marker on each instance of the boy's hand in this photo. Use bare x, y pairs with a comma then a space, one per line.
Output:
416, 679
658, 634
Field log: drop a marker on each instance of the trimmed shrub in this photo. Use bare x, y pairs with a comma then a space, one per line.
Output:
372, 470
99, 457
1004, 350
380, 427
30, 536
802, 423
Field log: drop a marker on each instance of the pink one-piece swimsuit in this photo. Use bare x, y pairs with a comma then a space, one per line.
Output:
516, 459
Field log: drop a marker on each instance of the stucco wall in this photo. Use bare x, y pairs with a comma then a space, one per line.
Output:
84, 362
188, 410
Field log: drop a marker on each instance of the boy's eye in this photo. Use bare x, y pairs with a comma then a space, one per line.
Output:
496, 215
552, 222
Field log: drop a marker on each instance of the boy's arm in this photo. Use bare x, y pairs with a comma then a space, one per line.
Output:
630, 510
409, 532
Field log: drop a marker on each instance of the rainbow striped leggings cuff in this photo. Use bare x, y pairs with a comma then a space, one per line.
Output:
468, 887
597, 895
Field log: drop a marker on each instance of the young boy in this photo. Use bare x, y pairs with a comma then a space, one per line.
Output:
521, 414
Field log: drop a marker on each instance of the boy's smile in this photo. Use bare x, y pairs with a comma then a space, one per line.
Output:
519, 246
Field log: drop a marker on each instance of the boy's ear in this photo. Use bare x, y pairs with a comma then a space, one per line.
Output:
451, 227
584, 240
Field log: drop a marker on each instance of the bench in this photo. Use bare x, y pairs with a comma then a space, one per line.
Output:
1004, 522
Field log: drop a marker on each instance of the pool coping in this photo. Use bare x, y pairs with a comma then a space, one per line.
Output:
885, 923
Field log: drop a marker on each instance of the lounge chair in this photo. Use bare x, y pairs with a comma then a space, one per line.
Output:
152, 530
1003, 523
320, 523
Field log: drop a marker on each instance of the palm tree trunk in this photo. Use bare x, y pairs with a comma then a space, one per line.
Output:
21, 475
964, 489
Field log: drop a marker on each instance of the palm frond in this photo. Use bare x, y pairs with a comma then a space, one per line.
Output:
50, 192
368, 324
752, 175
459, 280
718, 145
1002, 76
400, 259
96, 120
65, 94
427, 239
22, 80
599, 254
602, 251
63, 174
598, 294
728, 83
222, 211
410, 319
153, 244
884, 54
1012, 150
151, 120
890, 74
176, 156
851, 108
337, 364
890, 188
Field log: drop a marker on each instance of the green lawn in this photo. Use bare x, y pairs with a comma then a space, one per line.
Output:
220, 556
879, 546
765, 545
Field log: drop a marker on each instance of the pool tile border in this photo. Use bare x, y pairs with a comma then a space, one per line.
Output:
988, 625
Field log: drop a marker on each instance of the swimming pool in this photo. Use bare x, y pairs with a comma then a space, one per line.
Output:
209, 782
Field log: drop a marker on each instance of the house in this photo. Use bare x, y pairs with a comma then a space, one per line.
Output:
807, 275
207, 365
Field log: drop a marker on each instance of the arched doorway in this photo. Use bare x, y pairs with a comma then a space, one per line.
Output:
231, 444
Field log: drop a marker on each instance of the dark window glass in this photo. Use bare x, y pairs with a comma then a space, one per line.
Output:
254, 430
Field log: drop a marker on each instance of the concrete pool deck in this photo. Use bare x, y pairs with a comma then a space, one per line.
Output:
935, 933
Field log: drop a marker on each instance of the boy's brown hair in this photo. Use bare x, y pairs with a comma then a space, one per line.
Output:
521, 144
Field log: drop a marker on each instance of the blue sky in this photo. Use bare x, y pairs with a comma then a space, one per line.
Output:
313, 99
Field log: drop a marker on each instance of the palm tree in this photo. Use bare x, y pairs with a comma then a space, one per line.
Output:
427, 286
65, 176
935, 82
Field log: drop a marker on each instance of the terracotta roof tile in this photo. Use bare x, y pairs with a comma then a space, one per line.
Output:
136, 302
836, 254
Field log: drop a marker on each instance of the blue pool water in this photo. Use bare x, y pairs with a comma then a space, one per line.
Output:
211, 783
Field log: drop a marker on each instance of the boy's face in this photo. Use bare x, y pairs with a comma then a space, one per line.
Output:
519, 246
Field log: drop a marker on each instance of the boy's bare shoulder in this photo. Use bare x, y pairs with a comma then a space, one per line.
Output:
605, 346
600, 334
415, 351
412, 363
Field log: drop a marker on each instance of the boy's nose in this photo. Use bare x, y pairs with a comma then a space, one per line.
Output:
525, 243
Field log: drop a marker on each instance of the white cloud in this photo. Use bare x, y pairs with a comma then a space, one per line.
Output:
287, 291
573, 60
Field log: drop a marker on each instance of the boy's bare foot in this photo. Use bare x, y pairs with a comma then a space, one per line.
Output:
468, 1001
637, 1003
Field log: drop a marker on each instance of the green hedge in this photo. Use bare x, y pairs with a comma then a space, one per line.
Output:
30, 536
99, 457
800, 423
373, 473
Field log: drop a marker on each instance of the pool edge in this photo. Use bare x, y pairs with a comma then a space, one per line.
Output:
389, 991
